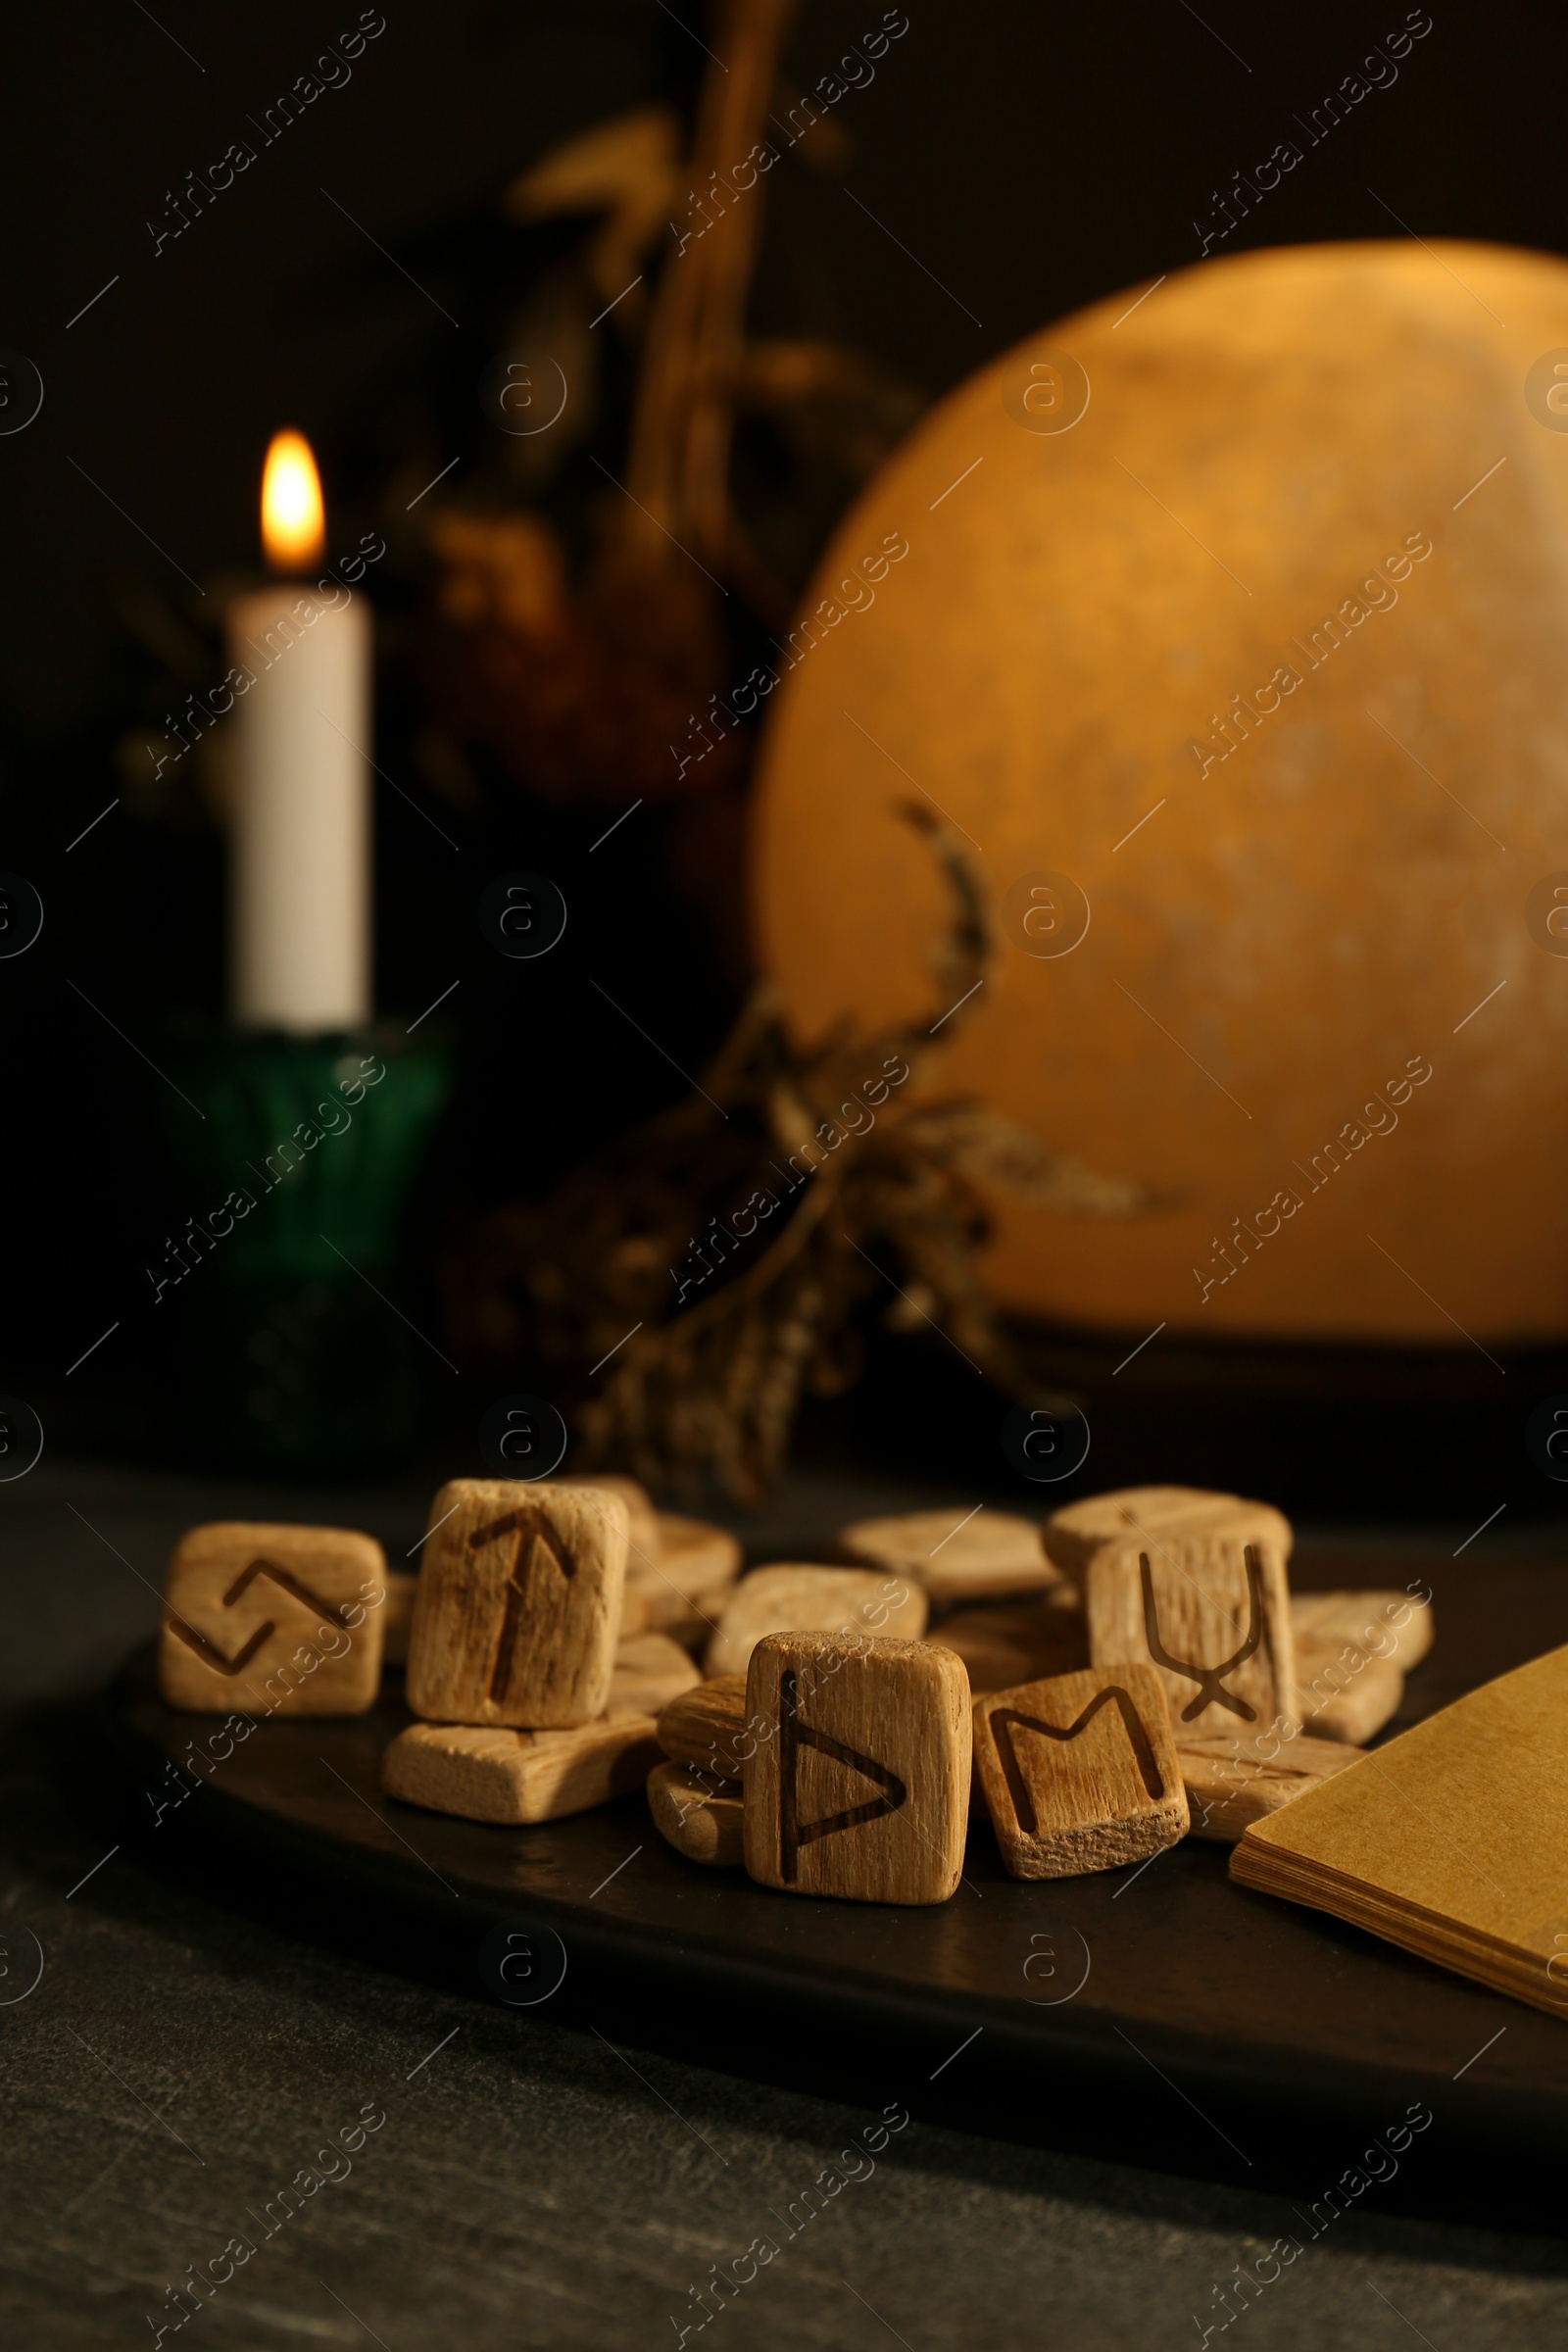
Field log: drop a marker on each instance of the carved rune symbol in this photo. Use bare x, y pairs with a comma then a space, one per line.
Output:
1209, 1678
793, 1735
208, 1651
537, 1548
1004, 1719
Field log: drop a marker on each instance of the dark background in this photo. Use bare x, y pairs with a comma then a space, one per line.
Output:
1032, 159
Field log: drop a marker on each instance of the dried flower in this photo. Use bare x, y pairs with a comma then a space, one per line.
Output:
844, 1184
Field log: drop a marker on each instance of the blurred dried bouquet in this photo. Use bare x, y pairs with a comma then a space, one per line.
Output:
577, 657
862, 1178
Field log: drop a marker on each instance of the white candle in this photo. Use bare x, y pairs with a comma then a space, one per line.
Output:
301, 855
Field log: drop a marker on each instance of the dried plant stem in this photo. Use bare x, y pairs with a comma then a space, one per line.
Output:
681, 443
737, 1295
895, 1184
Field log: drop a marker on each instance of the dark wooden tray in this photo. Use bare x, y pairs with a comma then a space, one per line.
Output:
1167, 2017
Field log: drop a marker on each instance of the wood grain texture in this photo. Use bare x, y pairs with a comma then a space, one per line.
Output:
649, 1671
1232, 1782
680, 1588
696, 1555
1343, 1693
1389, 1625
796, 1597
402, 1592
707, 1727
261, 1619
642, 1520
1211, 1612
860, 1787
700, 1817
1073, 1535
485, 1772
1079, 1772
956, 1556
1003, 1647
519, 1608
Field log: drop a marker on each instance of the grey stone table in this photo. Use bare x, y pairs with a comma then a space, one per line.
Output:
485, 2181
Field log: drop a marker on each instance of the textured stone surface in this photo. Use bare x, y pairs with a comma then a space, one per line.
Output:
534, 2185
1307, 914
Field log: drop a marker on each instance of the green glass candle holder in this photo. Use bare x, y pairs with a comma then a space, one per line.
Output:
288, 1343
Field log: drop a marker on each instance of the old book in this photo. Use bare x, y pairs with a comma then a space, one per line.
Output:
706, 1727
485, 1772
700, 1817
649, 1671
1451, 1841
401, 1590
1003, 1647
861, 1787
272, 1619
1211, 1612
518, 1609
956, 1556
1080, 1771
681, 1587
1073, 1535
1231, 1782
794, 1597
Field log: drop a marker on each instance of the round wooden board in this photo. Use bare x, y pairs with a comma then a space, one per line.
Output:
1168, 2018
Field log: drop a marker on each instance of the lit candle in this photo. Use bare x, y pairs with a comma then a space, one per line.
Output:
300, 878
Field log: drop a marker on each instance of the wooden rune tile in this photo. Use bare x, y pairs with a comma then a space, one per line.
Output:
649, 1671
956, 1556
519, 1608
270, 1620
642, 1520
706, 1727
1152, 1515
700, 1817
1080, 1771
796, 1596
1232, 1782
679, 1585
1001, 1646
861, 1787
1342, 1692
1211, 1612
485, 1772
1384, 1625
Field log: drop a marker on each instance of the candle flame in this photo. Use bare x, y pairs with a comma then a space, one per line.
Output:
293, 525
